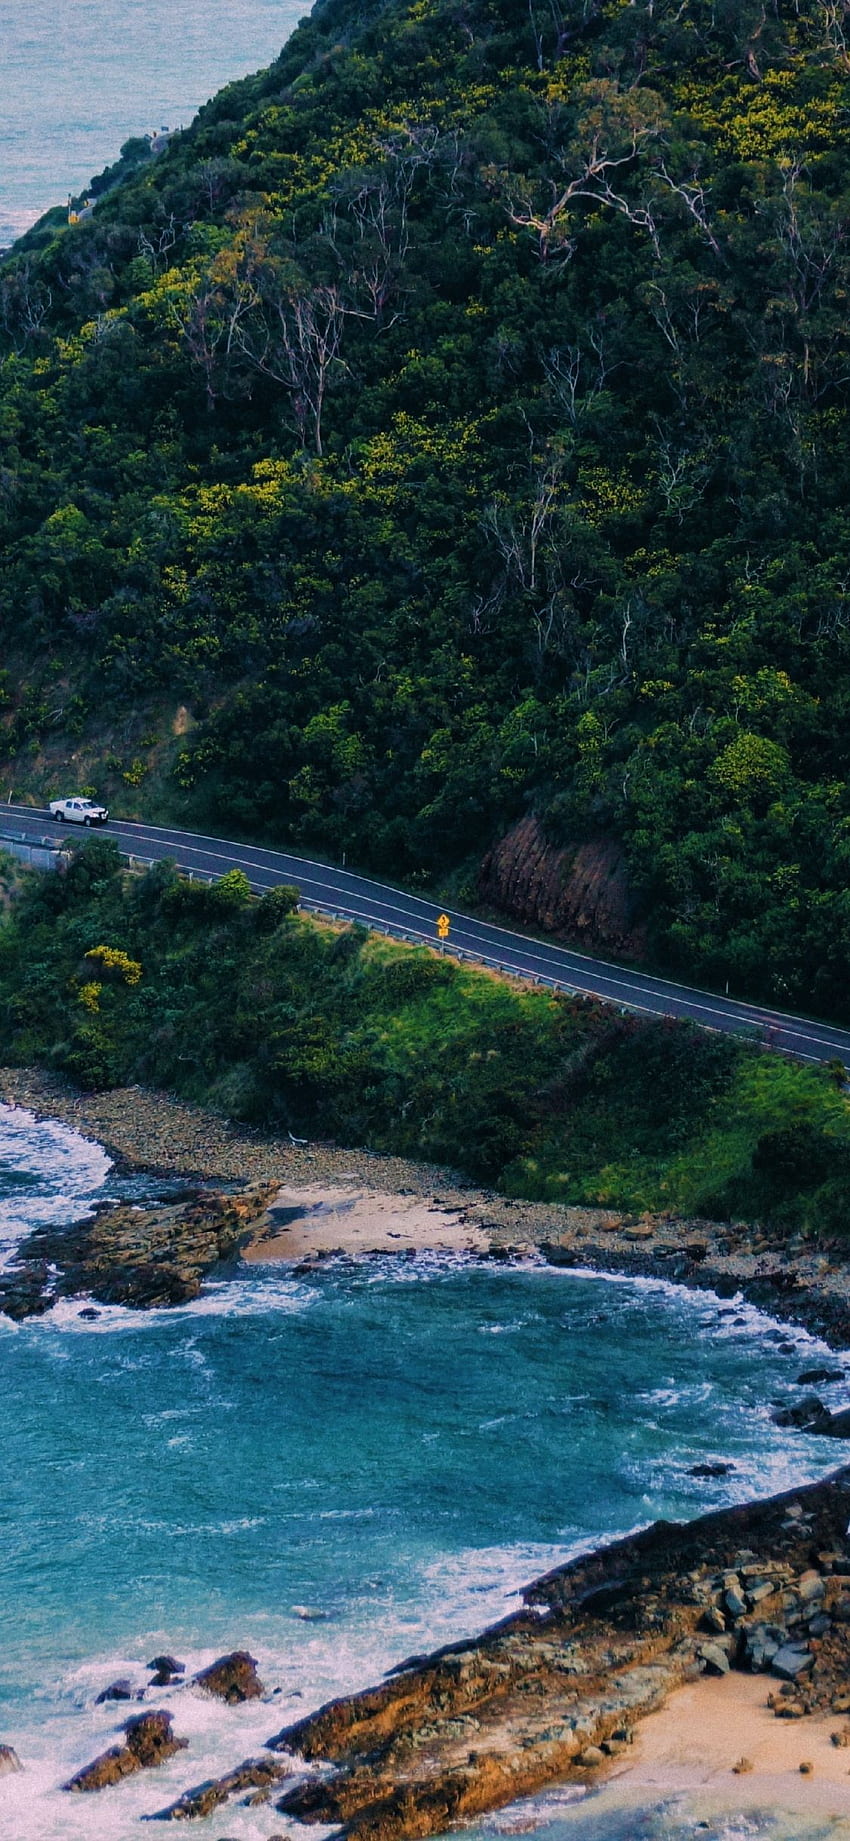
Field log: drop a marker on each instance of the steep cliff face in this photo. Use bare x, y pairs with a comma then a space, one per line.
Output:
582, 893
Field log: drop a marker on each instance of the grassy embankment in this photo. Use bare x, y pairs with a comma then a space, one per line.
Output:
280, 1019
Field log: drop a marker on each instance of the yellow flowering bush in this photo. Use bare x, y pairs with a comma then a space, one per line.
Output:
114, 963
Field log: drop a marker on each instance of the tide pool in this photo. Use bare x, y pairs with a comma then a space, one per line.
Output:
333, 1470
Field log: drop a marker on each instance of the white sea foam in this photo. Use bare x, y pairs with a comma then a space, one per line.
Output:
68, 1729
736, 1316
54, 1175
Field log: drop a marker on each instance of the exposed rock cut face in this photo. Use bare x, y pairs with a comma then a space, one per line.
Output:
583, 893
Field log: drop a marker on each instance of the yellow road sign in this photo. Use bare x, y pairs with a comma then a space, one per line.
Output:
443, 925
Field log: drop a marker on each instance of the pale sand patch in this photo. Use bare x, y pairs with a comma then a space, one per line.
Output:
314, 1220
694, 1740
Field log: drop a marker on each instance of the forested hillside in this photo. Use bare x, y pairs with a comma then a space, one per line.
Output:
451, 423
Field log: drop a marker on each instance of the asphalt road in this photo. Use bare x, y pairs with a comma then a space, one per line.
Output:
377, 905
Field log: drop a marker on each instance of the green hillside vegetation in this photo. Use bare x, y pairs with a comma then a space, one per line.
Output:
452, 421
284, 1021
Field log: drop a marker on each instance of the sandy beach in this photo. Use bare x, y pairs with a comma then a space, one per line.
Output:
352, 1201
350, 1196
315, 1220
706, 1728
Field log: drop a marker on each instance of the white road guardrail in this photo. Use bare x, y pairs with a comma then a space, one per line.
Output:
412, 936
24, 845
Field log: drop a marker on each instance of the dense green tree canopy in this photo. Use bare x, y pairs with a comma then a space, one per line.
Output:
453, 419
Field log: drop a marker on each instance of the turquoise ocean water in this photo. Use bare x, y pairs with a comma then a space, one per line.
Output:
334, 1471
78, 77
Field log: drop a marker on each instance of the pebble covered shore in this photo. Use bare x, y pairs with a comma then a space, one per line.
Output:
155, 1132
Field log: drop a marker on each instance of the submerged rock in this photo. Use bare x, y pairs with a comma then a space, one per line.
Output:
255, 1773
232, 1678
119, 1690
149, 1742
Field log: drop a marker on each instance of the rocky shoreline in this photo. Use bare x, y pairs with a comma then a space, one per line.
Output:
153, 1132
146, 1258
553, 1692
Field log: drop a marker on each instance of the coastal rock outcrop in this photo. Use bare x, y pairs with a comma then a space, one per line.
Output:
142, 1257
232, 1678
149, 1741
255, 1774
555, 1689
810, 1415
9, 1760
24, 1289
119, 1690
166, 1669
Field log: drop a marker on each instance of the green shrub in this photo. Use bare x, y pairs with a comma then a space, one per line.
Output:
274, 907
338, 1033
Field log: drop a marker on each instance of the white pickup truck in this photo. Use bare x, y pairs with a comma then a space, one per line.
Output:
78, 812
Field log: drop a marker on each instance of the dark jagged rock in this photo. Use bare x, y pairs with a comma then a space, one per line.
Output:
812, 1377
791, 1661
255, 1773
232, 1678
9, 1760
166, 1670
710, 1470
808, 1415
149, 1741
25, 1290
715, 1659
146, 1258
599, 1643
119, 1690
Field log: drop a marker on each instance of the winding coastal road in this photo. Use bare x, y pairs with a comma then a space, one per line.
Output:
413, 917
